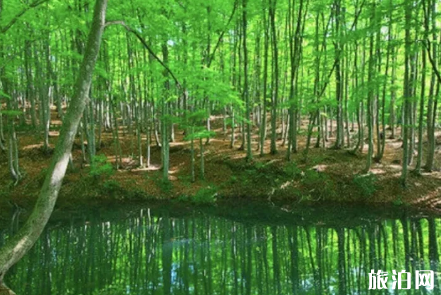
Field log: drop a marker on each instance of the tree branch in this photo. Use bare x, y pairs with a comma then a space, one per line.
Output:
140, 38
222, 34
23, 11
432, 62
327, 80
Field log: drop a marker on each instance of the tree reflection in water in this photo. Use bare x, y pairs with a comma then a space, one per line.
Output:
155, 253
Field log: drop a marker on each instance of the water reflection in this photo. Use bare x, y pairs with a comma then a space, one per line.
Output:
155, 253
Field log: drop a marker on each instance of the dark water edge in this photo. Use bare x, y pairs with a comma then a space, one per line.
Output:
235, 248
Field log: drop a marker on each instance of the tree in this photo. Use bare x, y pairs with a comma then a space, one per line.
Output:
20, 243
407, 92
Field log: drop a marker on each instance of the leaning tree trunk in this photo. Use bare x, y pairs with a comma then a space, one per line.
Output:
18, 245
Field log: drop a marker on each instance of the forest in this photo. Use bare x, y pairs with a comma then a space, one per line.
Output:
212, 103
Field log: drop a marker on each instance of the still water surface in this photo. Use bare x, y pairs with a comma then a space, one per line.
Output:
245, 251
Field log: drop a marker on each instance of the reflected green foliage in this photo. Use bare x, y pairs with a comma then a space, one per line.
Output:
151, 252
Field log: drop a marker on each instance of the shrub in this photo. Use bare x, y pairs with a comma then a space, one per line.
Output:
111, 187
292, 170
366, 183
183, 198
319, 184
259, 165
165, 185
100, 167
312, 178
206, 195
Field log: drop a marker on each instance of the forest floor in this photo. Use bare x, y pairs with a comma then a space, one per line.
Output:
329, 175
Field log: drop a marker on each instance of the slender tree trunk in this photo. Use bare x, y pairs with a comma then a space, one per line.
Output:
421, 114
275, 80
265, 81
370, 95
431, 105
393, 95
246, 95
407, 94
338, 77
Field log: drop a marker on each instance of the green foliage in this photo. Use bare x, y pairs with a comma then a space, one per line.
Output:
4, 95
165, 186
292, 169
185, 180
100, 167
109, 290
206, 195
111, 188
398, 201
306, 198
136, 193
200, 134
233, 179
11, 113
318, 184
366, 184
312, 178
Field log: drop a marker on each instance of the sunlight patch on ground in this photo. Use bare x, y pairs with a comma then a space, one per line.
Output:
396, 144
430, 200
33, 146
395, 167
398, 174
273, 161
172, 144
238, 156
319, 168
150, 168
377, 171
174, 171
286, 184
172, 178
436, 175
216, 140
56, 122
111, 158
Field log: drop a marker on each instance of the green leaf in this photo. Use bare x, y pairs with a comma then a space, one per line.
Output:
4, 95
11, 113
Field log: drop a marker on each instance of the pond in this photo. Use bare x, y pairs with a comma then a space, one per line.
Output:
161, 250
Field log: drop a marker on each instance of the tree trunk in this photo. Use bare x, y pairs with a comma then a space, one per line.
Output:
275, 89
407, 88
246, 96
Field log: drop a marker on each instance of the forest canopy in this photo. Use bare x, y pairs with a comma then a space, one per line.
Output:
339, 74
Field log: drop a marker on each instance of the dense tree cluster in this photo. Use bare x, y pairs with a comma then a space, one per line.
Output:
361, 69
352, 72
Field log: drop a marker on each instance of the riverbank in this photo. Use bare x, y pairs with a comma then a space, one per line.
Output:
328, 176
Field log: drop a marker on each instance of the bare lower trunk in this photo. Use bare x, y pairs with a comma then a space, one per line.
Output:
18, 245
